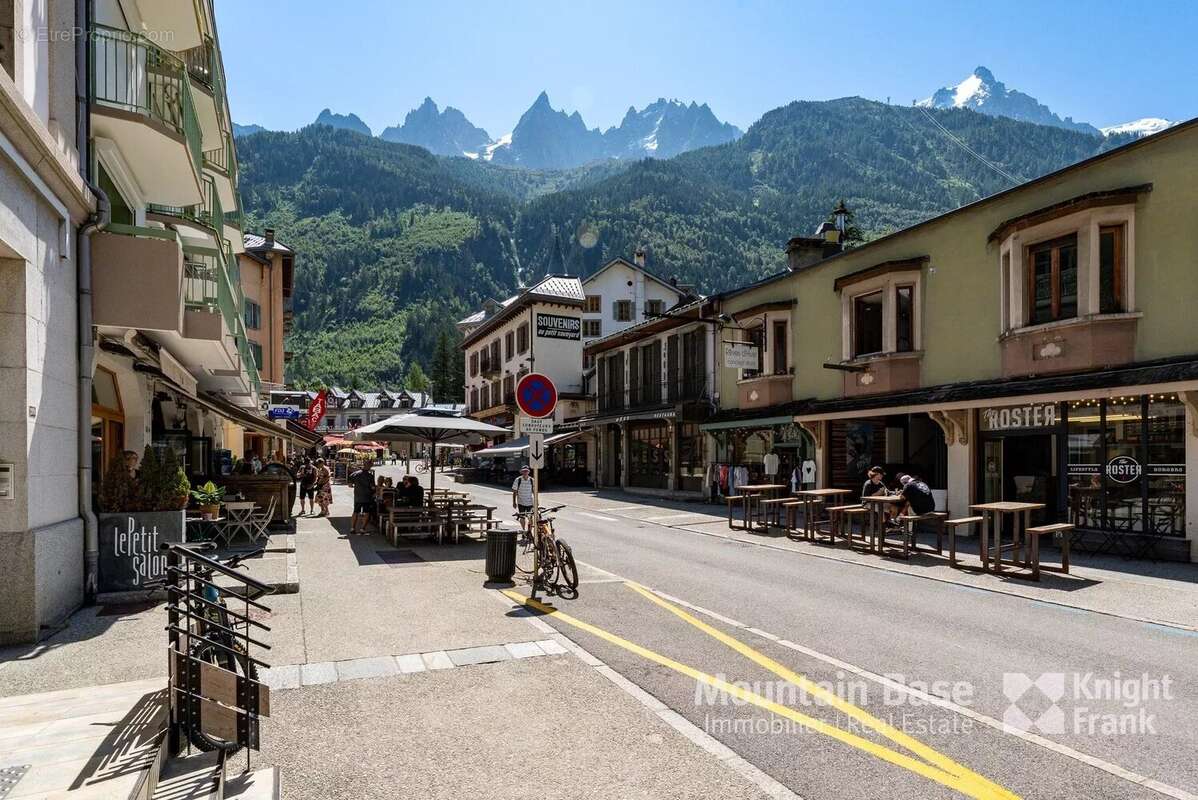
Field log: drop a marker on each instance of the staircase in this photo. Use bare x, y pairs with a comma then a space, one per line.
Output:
108, 743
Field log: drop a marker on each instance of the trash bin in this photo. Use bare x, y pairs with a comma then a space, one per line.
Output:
501, 555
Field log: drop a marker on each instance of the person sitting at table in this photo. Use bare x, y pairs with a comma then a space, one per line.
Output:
873, 483
411, 493
917, 497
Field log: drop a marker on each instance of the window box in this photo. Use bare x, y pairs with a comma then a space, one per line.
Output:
1072, 345
882, 372
764, 390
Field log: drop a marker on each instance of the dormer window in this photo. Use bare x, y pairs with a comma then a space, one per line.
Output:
880, 309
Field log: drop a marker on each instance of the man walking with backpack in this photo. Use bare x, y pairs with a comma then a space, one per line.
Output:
522, 496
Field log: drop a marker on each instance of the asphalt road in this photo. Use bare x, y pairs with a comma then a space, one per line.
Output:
863, 635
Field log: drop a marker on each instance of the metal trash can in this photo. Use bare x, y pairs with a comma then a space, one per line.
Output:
501, 555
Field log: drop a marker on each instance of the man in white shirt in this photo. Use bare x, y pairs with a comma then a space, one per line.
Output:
522, 495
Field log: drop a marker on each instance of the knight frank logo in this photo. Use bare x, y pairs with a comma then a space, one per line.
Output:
1033, 703
1083, 703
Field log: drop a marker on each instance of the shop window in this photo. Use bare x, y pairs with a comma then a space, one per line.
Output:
592, 328
867, 324
649, 454
1166, 430
1052, 280
904, 312
622, 311
108, 423
1111, 269
778, 349
592, 304
692, 465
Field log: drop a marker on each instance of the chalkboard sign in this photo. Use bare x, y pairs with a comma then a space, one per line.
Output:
130, 551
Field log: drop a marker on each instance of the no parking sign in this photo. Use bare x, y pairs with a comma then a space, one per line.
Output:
536, 395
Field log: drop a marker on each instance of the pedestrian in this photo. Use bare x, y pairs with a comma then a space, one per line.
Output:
363, 482
256, 464
307, 493
917, 497
324, 487
130, 457
522, 495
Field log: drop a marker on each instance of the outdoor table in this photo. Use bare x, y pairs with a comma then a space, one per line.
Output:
239, 520
1020, 515
423, 520
809, 498
875, 523
206, 529
751, 492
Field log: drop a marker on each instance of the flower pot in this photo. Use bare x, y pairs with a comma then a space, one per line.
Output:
210, 511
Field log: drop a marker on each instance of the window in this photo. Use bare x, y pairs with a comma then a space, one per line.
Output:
692, 466
495, 363
509, 345
779, 348
592, 328
522, 338
622, 311
253, 315
485, 395
509, 389
904, 311
867, 324
592, 304
756, 337
496, 397
1052, 280
474, 406
655, 306
1110, 269
121, 212
474, 363
256, 349
649, 454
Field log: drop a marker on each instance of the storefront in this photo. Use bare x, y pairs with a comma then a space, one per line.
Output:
898, 443
1112, 465
759, 450
649, 445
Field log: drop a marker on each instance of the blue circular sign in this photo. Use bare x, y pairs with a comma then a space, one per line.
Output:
536, 395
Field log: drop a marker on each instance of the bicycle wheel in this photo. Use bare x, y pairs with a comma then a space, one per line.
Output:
524, 550
548, 565
566, 566
240, 663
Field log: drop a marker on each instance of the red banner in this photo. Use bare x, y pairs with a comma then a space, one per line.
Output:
316, 410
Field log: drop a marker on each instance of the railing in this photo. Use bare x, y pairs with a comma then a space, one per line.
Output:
201, 279
215, 695
643, 395
131, 73
611, 401
208, 213
201, 64
688, 388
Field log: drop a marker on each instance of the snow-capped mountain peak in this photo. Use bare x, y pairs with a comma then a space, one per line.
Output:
1139, 127
984, 93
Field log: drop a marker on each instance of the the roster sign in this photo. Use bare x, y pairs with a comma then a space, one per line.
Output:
556, 326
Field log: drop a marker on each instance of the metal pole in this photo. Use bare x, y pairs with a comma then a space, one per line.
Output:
536, 530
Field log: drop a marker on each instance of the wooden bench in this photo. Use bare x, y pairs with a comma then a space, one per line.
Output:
908, 534
413, 521
771, 510
791, 509
836, 519
1064, 531
742, 501
847, 516
951, 526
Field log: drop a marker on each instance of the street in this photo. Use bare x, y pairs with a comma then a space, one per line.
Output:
881, 642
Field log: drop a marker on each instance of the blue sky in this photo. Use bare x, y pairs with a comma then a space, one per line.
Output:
1100, 62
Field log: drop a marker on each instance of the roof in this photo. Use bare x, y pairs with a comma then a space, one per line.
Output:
253, 241
560, 289
644, 271
481, 314
675, 317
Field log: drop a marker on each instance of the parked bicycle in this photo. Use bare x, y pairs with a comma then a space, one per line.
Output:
216, 636
556, 569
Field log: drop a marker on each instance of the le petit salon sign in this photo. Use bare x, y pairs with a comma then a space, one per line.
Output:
556, 326
1014, 418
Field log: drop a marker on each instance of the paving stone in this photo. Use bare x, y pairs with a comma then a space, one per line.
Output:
552, 648
412, 662
436, 660
478, 655
284, 677
524, 649
376, 667
320, 672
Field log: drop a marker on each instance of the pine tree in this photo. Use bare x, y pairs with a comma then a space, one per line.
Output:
442, 368
416, 380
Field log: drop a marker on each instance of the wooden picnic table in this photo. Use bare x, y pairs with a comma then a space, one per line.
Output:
1021, 514
875, 523
752, 492
413, 520
811, 498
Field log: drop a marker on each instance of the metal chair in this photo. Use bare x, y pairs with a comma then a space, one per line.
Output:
261, 520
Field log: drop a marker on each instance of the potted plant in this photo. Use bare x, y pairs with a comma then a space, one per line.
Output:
208, 497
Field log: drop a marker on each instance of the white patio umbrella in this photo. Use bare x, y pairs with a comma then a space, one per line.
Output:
434, 427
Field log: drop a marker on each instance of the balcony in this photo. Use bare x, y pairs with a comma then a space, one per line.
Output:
489, 367
141, 99
645, 395
763, 391
1073, 345
150, 259
207, 214
689, 389
882, 372
183, 19
221, 161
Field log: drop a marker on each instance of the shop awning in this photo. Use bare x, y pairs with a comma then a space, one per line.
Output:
242, 416
302, 435
519, 446
747, 422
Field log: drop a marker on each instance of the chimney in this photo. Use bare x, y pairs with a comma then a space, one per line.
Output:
639, 257
803, 251
269, 234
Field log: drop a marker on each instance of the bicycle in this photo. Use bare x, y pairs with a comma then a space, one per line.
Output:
208, 619
554, 557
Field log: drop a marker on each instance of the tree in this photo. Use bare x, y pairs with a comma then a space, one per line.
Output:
416, 380
442, 369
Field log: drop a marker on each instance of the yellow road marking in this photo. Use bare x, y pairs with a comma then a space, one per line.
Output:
890, 732
969, 787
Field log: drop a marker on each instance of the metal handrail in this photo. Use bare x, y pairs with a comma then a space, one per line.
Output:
212, 563
247, 620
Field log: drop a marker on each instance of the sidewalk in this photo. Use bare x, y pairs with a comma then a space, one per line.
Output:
395, 672
1155, 592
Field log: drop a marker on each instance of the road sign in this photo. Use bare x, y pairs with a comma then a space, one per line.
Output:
536, 395
536, 450
532, 425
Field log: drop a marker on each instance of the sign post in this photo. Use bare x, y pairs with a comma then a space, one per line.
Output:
536, 396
